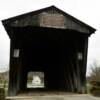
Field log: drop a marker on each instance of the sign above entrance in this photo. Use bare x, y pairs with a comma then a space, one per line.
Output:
52, 20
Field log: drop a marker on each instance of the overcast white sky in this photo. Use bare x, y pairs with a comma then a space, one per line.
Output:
85, 10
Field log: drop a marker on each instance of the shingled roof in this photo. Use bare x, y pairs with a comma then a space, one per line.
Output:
33, 19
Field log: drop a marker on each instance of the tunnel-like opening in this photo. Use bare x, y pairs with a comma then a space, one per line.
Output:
53, 52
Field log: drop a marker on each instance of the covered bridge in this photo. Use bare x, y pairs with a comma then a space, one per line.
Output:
49, 41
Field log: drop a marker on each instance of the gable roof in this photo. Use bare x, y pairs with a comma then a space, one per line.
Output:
79, 25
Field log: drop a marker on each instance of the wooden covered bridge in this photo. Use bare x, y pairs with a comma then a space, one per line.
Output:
49, 41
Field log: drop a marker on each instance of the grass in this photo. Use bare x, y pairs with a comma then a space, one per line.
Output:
88, 88
4, 85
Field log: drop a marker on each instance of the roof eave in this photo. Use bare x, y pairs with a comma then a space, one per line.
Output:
91, 29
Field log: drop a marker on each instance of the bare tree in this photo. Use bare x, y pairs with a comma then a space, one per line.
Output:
95, 72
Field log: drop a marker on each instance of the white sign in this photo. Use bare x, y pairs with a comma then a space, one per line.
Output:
16, 53
80, 56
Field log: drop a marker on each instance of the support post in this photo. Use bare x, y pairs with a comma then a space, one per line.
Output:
84, 88
14, 75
